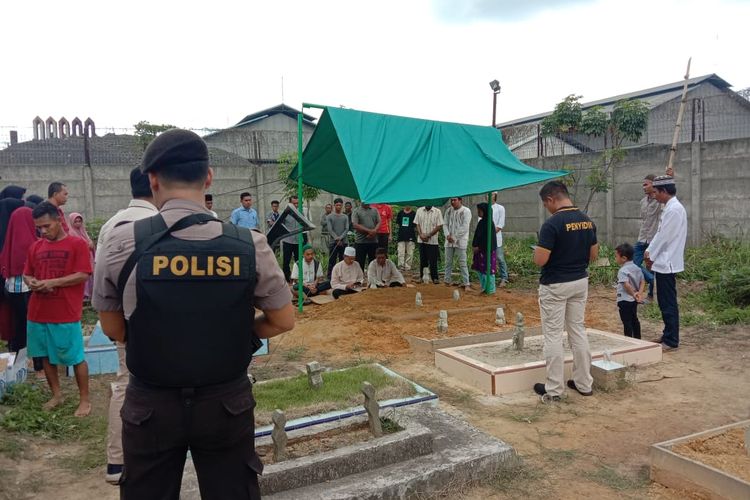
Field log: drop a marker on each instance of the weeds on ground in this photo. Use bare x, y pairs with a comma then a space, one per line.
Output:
11, 446
295, 353
22, 413
518, 480
609, 477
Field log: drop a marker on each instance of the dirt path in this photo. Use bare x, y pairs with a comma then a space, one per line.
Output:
583, 447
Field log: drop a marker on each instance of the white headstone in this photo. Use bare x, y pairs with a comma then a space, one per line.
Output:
426, 275
456, 295
499, 316
418, 299
442, 323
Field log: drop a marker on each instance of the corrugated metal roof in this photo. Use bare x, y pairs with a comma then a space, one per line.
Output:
654, 96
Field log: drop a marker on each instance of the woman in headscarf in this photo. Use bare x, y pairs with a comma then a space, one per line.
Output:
78, 229
10, 199
33, 200
479, 243
20, 236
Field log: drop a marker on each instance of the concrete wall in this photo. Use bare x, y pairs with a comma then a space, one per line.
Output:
713, 183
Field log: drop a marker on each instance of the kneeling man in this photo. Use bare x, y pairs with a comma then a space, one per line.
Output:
347, 276
382, 272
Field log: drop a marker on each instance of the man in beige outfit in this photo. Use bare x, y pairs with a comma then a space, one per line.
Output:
567, 243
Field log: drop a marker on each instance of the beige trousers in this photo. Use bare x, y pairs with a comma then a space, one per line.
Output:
405, 254
562, 306
114, 427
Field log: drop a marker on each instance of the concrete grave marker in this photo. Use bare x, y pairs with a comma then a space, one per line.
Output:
456, 295
372, 408
278, 436
418, 299
314, 375
499, 316
442, 323
518, 336
426, 275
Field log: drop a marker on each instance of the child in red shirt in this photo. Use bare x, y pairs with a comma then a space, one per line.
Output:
56, 270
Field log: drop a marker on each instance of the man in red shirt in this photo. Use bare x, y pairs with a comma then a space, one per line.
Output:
56, 270
384, 229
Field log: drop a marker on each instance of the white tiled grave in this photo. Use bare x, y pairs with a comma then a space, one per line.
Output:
497, 368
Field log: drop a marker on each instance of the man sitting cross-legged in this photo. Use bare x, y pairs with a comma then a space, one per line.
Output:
312, 274
347, 276
382, 272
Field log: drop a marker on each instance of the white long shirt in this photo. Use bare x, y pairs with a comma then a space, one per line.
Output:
385, 274
457, 222
498, 218
309, 276
344, 273
667, 249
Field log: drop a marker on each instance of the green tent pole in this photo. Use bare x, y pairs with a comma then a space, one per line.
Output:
488, 215
300, 285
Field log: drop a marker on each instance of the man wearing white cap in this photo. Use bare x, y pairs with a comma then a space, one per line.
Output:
347, 275
665, 257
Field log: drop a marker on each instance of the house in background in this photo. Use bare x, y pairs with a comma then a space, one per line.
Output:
261, 138
713, 112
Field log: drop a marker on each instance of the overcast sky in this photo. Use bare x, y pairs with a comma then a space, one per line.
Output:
209, 63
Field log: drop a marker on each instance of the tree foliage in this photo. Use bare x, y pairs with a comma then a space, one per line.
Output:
287, 163
627, 121
147, 132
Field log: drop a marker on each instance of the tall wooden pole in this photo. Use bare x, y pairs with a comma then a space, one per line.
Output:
678, 125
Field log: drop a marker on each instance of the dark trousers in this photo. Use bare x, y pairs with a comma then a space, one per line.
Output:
666, 294
335, 254
215, 423
339, 292
365, 251
629, 317
428, 257
383, 240
290, 251
320, 287
19, 304
638, 250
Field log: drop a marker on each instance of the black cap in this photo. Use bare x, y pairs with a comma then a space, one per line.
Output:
209, 197
175, 148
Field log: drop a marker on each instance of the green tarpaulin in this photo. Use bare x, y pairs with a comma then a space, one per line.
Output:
393, 159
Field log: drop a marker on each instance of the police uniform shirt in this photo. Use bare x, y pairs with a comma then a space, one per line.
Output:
569, 235
271, 290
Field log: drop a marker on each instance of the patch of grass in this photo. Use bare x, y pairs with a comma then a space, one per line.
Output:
609, 477
517, 480
11, 446
529, 418
295, 353
560, 456
89, 316
24, 415
389, 426
342, 387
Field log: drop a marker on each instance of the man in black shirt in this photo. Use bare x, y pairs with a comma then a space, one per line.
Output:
567, 243
406, 237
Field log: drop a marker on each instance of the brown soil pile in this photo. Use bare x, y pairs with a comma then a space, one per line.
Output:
372, 324
725, 451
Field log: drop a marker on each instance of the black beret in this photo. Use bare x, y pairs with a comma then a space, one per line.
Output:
175, 148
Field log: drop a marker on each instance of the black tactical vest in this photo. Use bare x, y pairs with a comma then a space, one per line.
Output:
193, 321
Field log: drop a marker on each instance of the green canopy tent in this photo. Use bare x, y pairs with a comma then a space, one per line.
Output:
393, 159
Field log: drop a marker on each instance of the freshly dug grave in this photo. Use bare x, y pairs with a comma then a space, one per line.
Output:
725, 451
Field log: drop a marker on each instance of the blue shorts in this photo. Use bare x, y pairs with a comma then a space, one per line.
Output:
62, 343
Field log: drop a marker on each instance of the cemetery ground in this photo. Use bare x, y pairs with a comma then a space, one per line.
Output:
594, 447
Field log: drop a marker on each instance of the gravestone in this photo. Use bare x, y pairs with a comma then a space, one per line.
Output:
608, 375
456, 295
314, 375
442, 323
499, 316
418, 299
372, 408
278, 436
518, 336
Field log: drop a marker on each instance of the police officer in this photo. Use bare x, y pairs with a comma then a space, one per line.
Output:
181, 288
